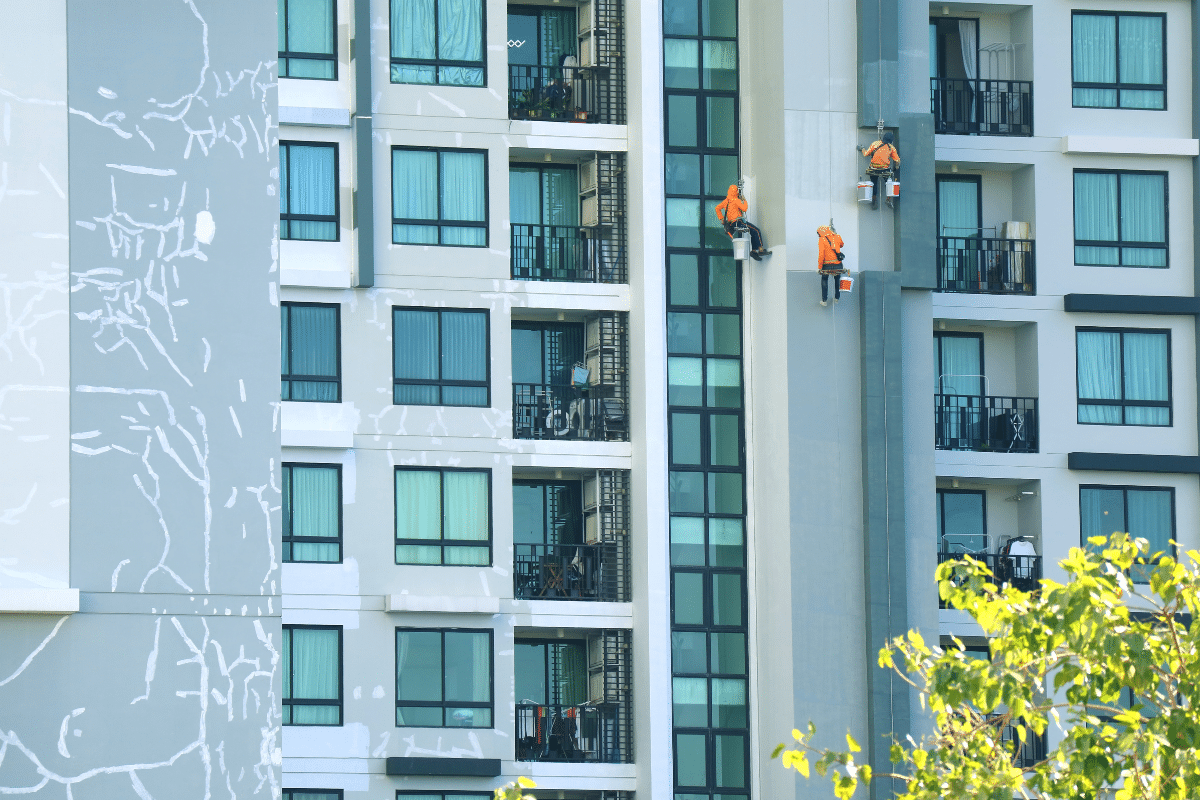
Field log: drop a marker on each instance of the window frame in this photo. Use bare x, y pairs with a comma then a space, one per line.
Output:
1120, 243
341, 699
285, 54
402, 793
337, 195
443, 542
938, 336
1123, 404
289, 506
941, 516
1172, 550
954, 177
337, 793
291, 377
441, 222
1118, 86
437, 63
443, 704
440, 382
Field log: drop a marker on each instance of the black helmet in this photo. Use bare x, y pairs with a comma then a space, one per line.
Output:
888, 137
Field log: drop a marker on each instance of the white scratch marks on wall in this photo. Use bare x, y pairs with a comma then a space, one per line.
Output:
29, 659
236, 424
116, 574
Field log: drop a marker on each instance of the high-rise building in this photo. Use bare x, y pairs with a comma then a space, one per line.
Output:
555, 485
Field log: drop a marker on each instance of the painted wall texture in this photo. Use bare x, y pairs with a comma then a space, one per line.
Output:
167, 682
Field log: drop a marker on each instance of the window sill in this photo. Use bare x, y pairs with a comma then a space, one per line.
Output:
1130, 145
39, 601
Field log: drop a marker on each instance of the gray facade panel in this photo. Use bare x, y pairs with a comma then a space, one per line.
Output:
916, 213
878, 62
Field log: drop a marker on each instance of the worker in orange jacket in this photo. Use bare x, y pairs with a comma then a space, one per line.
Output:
829, 261
882, 153
732, 209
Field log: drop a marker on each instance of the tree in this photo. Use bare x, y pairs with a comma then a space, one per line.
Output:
515, 790
1110, 664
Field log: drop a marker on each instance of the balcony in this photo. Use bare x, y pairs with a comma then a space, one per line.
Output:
582, 733
558, 94
567, 572
568, 413
982, 106
984, 423
563, 253
1025, 754
986, 266
1022, 572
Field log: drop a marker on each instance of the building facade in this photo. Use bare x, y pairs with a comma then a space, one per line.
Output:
554, 486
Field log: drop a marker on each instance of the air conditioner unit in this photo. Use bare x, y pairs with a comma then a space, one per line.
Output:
589, 176
592, 334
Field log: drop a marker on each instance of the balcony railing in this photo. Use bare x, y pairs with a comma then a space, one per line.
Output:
563, 411
566, 572
982, 106
562, 253
985, 423
583, 733
1020, 572
1028, 753
563, 94
985, 266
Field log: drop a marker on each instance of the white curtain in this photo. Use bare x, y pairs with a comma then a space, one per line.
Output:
1098, 367
1141, 46
1094, 59
1150, 519
1143, 219
959, 367
312, 189
414, 195
415, 354
313, 499
1102, 512
970, 47
418, 515
464, 357
315, 674
1096, 218
524, 188
1146, 377
464, 196
466, 508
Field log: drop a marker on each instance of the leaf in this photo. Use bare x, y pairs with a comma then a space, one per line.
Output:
778, 749
802, 765
525, 783
852, 745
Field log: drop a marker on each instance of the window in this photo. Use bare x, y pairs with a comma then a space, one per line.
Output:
438, 41
312, 675
439, 197
443, 678
441, 357
1118, 60
1120, 218
312, 513
312, 794
311, 357
1141, 511
307, 39
308, 201
961, 521
443, 516
444, 796
1124, 376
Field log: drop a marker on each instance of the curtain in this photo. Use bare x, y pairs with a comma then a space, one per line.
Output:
970, 47
558, 35
468, 674
1096, 217
464, 196
460, 38
572, 678
1143, 219
414, 195
933, 50
958, 209
285, 363
1094, 59
1150, 519
314, 675
313, 345
1146, 366
560, 198
314, 512
1101, 512
524, 191
415, 355
418, 515
530, 662
960, 368
412, 37
1141, 47
464, 357
1098, 367
466, 509
312, 185
310, 30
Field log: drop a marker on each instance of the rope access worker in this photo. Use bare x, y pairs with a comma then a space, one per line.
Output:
882, 153
731, 211
829, 262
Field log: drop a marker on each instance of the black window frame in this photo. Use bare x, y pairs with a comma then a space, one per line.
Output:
402, 793
341, 700
297, 377
579, 515
1124, 404
941, 514
1118, 86
288, 506
954, 177
1172, 549
285, 54
441, 383
443, 703
938, 336
337, 793
441, 222
710, 757
1121, 243
337, 195
443, 542
438, 63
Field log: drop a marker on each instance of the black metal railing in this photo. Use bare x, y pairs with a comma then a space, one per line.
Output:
561, 253
582, 733
982, 106
985, 266
565, 572
563, 411
562, 94
985, 423
1022, 572
1028, 753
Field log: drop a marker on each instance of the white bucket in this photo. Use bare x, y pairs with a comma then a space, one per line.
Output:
866, 192
741, 248
891, 189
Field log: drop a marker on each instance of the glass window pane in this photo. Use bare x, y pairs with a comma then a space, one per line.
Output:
1146, 366
683, 173
1098, 364
683, 333
313, 505
681, 121
460, 32
314, 339
962, 518
719, 122
723, 334
727, 599
419, 716
723, 382
689, 702
416, 344
1150, 518
1101, 512
414, 184
685, 282
412, 29
681, 62
725, 492
687, 601
419, 666
468, 667
1141, 47
679, 17
728, 653
683, 381
729, 703
688, 652
687, 541
418, 504
723, 441
312, 180
691, 762
683, 222
310, 26
729, 759
720, 172
720, 17
685, 438
463, 176
315, 664
467, 506
722, 281
464, 346
1143, 208
1096, 207
686, 492
726, 543
720, 66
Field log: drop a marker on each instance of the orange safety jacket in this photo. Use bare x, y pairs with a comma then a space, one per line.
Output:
881, 155
829, 246
732, 207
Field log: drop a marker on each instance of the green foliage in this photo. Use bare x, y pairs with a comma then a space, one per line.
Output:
1063, 658
516, 789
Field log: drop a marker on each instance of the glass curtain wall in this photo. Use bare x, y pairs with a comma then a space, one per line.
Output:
706, 420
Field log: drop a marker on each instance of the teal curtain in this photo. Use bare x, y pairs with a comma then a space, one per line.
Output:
414, 195
1098, 371
310, 29
1101, 512
415, 355
560, 196
958, 208
311, 189
959, 365
1094, 59
1143, 219
460, 38
464, 357
412, 28
1150, 518
311, 669
419, 515
464, 196
313, 335
311, 508
1096, 217
1141, 47
467, 509
558, 35
524, 193
572, 673
1146, 377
